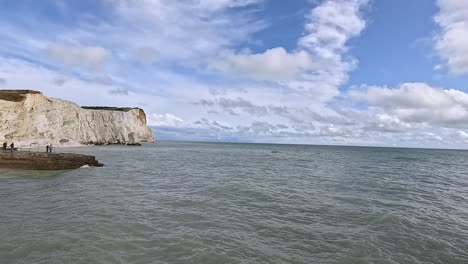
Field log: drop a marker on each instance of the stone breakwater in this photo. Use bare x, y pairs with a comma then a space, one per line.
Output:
45, 161
29, 118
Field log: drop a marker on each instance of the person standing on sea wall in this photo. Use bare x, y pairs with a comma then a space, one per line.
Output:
12, 146
4, 146
49, 148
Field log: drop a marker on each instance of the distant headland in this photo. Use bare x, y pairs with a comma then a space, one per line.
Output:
29, 118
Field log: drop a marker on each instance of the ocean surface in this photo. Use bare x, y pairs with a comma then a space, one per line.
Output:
176, 202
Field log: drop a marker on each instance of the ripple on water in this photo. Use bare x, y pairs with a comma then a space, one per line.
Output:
239, 203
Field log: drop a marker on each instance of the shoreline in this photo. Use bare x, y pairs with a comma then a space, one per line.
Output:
36, 147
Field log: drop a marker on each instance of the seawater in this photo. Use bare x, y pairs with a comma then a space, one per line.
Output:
176, 202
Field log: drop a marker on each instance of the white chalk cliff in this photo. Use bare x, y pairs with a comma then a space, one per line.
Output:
28, 117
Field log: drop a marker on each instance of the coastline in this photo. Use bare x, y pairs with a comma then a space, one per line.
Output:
39, 147
31, 120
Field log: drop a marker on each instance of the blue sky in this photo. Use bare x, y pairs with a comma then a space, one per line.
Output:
396, 45
357, 72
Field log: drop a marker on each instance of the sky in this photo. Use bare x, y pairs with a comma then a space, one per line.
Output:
340, 72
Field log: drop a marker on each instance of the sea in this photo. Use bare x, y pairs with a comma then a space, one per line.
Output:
188, 202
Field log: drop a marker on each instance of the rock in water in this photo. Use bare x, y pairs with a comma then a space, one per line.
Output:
28, 117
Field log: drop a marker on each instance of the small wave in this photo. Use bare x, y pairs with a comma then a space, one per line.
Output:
407, 158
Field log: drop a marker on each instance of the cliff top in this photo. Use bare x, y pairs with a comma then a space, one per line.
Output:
109, 108
19, 95
15, 95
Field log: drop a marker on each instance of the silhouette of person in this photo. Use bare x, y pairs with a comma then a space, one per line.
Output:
47, 148
4, 146
12, 146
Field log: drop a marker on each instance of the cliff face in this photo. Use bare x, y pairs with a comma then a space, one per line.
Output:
28, 117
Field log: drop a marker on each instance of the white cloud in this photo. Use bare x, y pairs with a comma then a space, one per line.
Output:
263, 129
215, 5
329, 28
417, 104
289, 95
164, 120
320, 65
452, 38
70, 87
462, 135
274, 64
407, 95
184, 31
388, 123
331, 25
91, 57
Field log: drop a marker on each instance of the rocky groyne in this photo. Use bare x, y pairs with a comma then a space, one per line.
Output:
45, 161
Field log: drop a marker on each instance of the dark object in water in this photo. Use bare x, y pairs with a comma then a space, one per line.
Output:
134, 144
275, 151
46, 161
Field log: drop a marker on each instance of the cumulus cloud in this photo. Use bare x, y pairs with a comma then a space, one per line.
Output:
388, 123
463, 135
284, 95
230, 105
212, 125
259, 128
272, 65
407, 95
329, 28
331, 25
452, 38
334, 131
91, 57
164, 120
416, 104
300, 116
319, 65
261, 131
